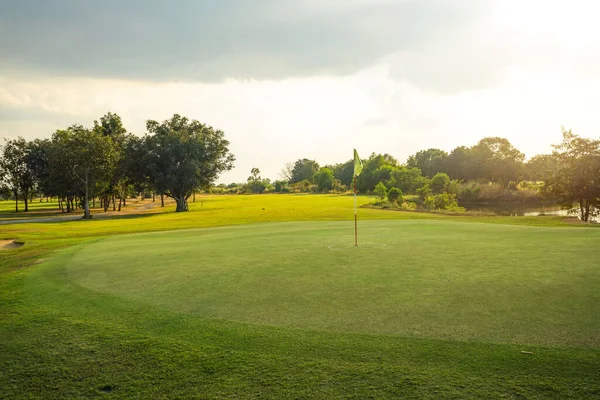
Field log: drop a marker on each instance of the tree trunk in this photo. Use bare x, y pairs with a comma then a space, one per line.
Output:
86, 201
181, 204
153, 196
581, 211
162, 199
16, 192
26, 200
143, 194
106, 202
94, 202
113, 200
68, 205
120, 201
194, 197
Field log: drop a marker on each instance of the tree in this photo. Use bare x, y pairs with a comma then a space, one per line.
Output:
15, 171
38, 163
375, 168
286, 172
500, 160
395, 195
408, 180
429, 161
461, 165
577, 176
255, 182
439, 183
90, 159
111, 126
304, 169
187, 156
541, 167
380, 191
324, 179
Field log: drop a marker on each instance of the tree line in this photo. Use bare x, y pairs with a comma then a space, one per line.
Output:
174, 158
491, 170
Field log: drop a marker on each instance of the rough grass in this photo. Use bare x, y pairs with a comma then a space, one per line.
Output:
68, 335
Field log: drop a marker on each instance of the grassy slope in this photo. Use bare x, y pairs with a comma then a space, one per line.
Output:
63, 340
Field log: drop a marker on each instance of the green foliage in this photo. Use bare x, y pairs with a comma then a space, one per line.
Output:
187, 156
255, 183
440, 183
324, 180
15, 172
304, 169
428, 161
408, 180
576, 178
395, 195
441, 201
380, 192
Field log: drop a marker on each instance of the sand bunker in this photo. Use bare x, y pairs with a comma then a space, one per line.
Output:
10, 244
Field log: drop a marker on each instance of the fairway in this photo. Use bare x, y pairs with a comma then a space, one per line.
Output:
266, 297
424, 279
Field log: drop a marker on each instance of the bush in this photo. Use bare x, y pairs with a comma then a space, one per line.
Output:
443, 201
395, 195
380, 191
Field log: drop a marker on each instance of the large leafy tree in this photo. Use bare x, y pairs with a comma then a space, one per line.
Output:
38, 163
88, 159
324, 179
15, 171
430, 161
499, 160
185, 156
304, 169
376, 168
461, 164
576, 179
111, 126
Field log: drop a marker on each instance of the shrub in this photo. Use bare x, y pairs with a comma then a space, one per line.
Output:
443, 201
380, 192
395, 195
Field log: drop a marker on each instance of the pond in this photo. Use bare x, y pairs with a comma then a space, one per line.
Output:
520, 210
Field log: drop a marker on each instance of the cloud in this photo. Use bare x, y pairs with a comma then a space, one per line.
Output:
211, 41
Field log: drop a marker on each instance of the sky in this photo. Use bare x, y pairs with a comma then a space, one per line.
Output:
289, 79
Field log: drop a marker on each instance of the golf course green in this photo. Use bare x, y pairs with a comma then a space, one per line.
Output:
433, 279
267, 297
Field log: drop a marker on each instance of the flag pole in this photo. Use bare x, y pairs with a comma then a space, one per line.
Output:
355, 223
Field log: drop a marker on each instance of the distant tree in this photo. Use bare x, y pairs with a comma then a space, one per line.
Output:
304, 169
15, 170
408, 180
577, 176
500, 161
541, 167
380, 191
395, 195
439, 183
188, 156
324, 179
280, 185
375, 168
38, 163
111, 126
255, 183
89, 157
461, 165
287, 172
429, 161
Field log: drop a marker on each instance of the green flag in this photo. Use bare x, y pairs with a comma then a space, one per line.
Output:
358, 165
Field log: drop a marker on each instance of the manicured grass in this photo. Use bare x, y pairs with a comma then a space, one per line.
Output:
443, 310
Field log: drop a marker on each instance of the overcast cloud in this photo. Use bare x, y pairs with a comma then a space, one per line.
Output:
306, 78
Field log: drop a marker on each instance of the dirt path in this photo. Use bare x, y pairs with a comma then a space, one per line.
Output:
138, 207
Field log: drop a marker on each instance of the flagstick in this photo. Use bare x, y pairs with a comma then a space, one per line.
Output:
355, 224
